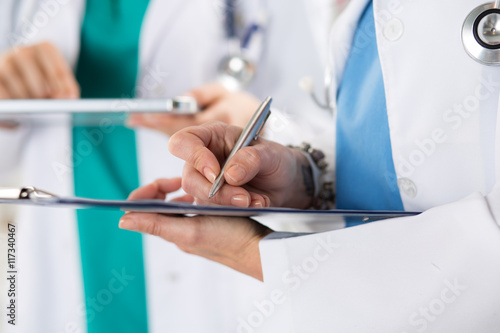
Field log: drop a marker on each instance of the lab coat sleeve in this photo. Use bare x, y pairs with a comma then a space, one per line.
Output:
5, 24
435, 272
61, 26
10, 140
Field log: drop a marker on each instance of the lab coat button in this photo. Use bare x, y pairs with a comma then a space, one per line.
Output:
172, 277
159, 90
407, 187
393, 30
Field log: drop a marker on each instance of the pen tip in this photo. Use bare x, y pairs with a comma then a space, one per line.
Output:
210, 195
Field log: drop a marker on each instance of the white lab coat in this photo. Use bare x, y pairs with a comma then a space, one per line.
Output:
435, 272
181, 45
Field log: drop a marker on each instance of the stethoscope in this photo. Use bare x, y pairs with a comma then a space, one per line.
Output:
480, 38
237, 69
481, 34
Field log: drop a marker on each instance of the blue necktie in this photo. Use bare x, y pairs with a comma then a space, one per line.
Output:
365, 173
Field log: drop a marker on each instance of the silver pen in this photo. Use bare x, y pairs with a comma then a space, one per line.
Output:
250, 132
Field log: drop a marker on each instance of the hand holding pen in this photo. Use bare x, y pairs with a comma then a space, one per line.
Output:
259, 175
250, 132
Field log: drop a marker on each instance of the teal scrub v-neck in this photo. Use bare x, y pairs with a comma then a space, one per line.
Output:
105, 167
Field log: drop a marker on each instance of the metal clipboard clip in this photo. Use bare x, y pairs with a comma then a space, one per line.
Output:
25, 193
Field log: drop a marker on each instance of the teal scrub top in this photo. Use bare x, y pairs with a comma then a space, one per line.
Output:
106, 168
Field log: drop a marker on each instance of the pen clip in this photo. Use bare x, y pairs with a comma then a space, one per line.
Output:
262, 126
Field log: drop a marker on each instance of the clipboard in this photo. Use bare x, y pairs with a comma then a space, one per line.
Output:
33, 196
181, 105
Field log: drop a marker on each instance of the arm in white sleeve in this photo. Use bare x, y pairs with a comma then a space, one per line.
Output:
437, 271
20, 24
18, 27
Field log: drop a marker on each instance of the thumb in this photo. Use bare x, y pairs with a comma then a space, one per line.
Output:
148, 223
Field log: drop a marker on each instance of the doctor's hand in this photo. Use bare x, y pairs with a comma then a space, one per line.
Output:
261, 175
233, 242
8, 124
216, 102
35, 72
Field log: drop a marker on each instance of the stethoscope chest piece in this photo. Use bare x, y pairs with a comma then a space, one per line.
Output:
236, 72
481, 34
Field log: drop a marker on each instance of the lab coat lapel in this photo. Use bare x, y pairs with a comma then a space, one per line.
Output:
494, 195
159, 17
341, 40
425, 96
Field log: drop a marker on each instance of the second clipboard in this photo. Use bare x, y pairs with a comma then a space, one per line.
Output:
181, 105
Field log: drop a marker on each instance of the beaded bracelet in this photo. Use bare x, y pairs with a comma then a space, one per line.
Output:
325, 197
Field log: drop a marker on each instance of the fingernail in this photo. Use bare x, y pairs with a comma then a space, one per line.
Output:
127, 223
267, 201
240, 200
256, 204
236, 173
209, 174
